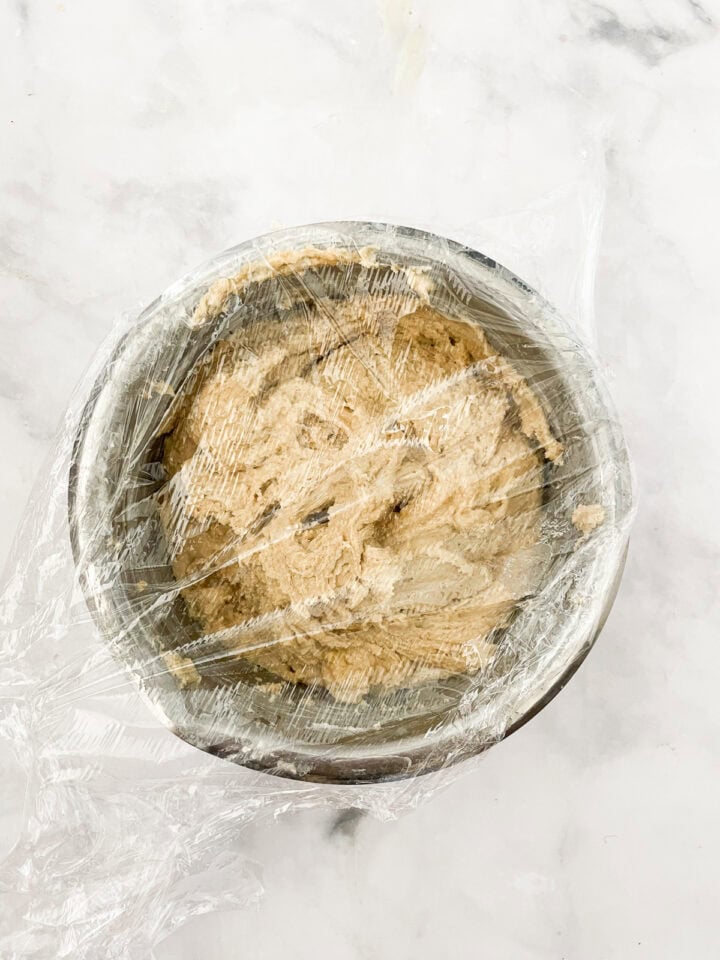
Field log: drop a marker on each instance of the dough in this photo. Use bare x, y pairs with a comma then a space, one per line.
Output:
587, 517
182, 668
354, 494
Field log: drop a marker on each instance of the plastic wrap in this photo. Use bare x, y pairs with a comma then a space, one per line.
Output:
338, 511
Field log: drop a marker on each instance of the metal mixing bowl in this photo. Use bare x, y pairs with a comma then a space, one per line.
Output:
122, 557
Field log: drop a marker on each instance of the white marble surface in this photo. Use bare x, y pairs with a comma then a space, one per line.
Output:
140, 138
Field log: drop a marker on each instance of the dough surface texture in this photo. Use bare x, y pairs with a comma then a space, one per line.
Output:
354, 494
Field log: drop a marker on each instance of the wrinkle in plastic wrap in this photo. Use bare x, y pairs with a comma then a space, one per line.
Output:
339, 511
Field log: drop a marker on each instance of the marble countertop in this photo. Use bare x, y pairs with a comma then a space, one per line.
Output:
140, 139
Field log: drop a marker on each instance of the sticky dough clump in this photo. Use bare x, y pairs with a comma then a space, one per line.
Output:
354, 493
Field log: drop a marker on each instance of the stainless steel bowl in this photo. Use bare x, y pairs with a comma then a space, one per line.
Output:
122, 557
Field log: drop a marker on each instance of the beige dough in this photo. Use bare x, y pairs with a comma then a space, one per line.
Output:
587, 517
355, 493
